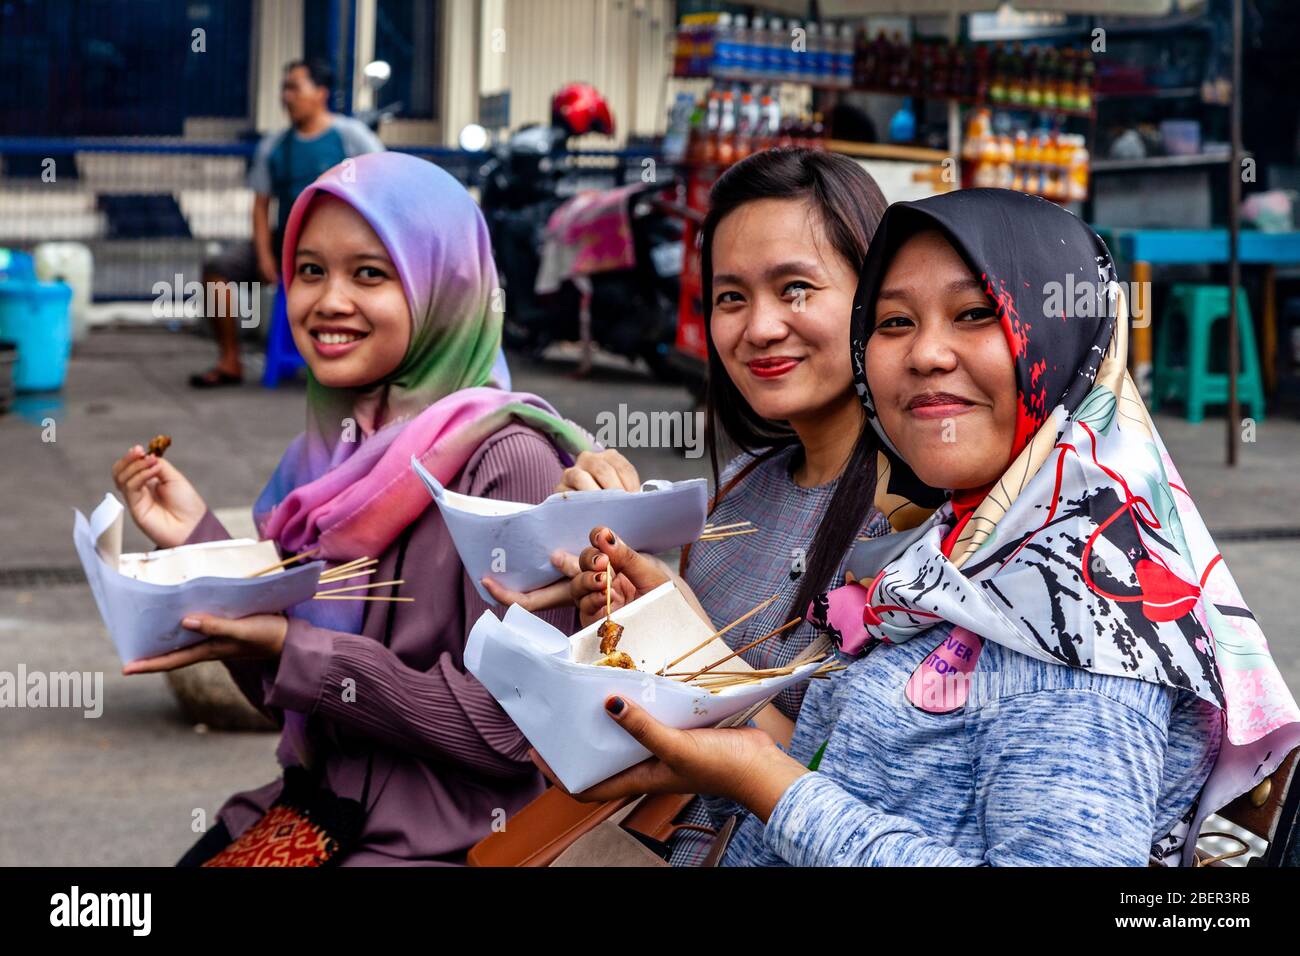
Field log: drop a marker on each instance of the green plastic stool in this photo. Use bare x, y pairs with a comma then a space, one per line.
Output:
1198, 307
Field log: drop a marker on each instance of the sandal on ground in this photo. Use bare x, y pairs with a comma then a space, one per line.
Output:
214, 378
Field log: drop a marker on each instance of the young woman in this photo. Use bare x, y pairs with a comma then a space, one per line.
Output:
785, 236
1045, 671
390, 279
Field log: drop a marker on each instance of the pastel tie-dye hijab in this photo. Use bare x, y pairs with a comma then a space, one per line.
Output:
347, 493
1088, 552
350, 494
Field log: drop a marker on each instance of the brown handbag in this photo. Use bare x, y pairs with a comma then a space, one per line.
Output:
545, 828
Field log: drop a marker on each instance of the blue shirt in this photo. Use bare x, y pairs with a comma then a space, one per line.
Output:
1044, 765
286, 163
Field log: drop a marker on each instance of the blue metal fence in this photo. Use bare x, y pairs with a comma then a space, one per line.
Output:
151, 209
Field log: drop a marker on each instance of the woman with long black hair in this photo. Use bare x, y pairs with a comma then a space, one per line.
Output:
786, 233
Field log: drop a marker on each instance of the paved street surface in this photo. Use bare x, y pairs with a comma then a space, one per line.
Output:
124, 788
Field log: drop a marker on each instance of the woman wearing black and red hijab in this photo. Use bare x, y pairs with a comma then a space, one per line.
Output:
1062, 670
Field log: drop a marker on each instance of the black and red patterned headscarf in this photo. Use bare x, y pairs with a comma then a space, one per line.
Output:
1088, 550
1037, 262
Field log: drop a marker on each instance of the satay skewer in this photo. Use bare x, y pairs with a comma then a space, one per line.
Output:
336, 578
711, 529
348, 566
710, 536
360, 587
281, 564
705, 643
752, 644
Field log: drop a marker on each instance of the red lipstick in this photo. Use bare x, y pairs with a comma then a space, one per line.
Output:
774, 366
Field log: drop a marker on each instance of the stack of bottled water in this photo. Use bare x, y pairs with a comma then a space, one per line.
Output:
776, 51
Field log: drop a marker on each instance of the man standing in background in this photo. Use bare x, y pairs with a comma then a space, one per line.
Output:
285, 163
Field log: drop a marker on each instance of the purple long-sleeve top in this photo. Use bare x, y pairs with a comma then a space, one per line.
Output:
448, 762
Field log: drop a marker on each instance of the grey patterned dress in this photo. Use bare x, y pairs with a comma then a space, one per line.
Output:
734, 574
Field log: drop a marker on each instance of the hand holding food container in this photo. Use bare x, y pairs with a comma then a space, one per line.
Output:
666, 659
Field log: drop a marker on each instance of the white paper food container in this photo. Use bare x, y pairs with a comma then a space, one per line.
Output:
143, 597
513, 542
535, 674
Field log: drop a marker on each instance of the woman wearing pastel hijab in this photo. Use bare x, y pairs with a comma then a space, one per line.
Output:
1055, 667
390, 286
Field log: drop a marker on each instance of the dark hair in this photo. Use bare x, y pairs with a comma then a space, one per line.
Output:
319, 70
850, 205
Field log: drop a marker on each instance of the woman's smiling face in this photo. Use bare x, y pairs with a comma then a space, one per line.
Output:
346, 306
782, 298
940, 369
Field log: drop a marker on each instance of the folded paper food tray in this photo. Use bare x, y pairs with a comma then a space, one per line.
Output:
544, 680
143, 597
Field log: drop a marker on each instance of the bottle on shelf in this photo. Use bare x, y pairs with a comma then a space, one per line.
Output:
791, 58
844, 57
744, 46
900, 64
1077, 173
1033, 79
1083, 94
756, 48
774, 52
747, 123
1015, 77
1049, 94
997, 76
770, 111
695, 148
725, 151
808, 63
724, 48
712, 121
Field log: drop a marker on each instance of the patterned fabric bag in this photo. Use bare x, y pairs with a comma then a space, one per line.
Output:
308, 825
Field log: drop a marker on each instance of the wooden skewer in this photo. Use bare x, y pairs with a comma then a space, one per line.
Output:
758, 671
793, 665
784, 627
360, 597
757, 675
280, 564
716, 685
609, 584
335, 578
359, 587
744, 617
710, 529
709, 536
347, 572
349, 566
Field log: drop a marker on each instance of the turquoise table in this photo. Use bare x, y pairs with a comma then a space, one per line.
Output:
1144, 248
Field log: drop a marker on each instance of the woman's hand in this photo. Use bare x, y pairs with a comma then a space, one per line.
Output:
256, 637
543, 598
594, 470
635, 574
741, 764
161, 500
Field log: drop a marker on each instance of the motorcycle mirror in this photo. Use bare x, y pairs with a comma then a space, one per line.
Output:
377, 73
473, 138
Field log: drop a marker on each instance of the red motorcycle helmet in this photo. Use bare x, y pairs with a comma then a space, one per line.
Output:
579, 108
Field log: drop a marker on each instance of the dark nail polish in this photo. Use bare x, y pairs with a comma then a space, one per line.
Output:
615, 705
609, 536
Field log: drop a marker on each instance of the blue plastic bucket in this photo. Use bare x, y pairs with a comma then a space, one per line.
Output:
36, 317
16, 265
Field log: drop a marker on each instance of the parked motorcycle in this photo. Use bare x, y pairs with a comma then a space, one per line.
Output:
602, 266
